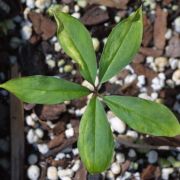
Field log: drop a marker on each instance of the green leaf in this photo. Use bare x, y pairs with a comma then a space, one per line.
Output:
95, 142
76, 42
144, 116
44, 89
122, 44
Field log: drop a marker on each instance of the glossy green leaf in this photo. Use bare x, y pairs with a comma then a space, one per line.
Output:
44, 89
144, 116
95, 142
122, 44
76, 42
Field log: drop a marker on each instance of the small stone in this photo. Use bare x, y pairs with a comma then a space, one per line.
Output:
132, 153
76, 165
96, 44
170, 83
31, 137
69, 132
132, 134
117, 124
32, 159
42, 4
141, 81
39, 132
176, 77
157, 83
166, 172
75, 151
177, 24
30, 4
115, 168
33, 172
57, 47
87, 85
61, 62
168, 34
76, 15
152, 156
65, 173
68, 68
43, 148
30, 121
76, 8
51, 63
52, 173
26, 32
120, 157
117, 19
82, 3
110, 175
65, 9
154, 95
129, 79
60, 156
161, 63
173, 63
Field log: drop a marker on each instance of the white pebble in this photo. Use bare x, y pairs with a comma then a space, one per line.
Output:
82, 3
32, 159
176, 77
52, 173
65, 173
177, 24
65, 9
110, 175
132, 134
51, 63
168, 34
31, 137
132, 153
166, 172
144, 96
130, 78
161, 63
42, 4
26, 32
117, 124
120, 157
30, 121
157, 83
57, 47
43, 148
96, 44
115, 168
30, 4
76, 8
69, 132
33, 172
152, 156
75, 151
87, 85
173, 63
76, 15
117, 19
141, 81
39, 132
170, 83
76, 165
60, 156
154, 95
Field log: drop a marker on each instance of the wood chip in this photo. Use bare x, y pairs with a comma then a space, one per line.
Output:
160, 28
81, 173
42, 25
94, 16
59, 128
149, 172
119, 4
57, 141
139, 58
150, 52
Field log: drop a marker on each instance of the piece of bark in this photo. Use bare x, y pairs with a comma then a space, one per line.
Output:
119, 4
139, 58
173, 48
17, 134
167, 2
150, 52
147, 31
50, 112
56, 141
42, 25
94, 16
81, 173
149, 172
59, 128
160, 28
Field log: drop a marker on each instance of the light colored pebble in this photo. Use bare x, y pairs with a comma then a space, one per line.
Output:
125, 176
32, 159
65, 9
152, 156
43, 148
30, 121
75, 151
141, 81
69, 132
30, 4
68, 68
117, 124
66, 178
177, 24
154, 95
173, 63
76, 8
120, 157
26, 32
161, 63
117, 19
42, 4
76, 165
31, 137
176, 77
76, 15
116, 168
60, 156
33, 172
87, 85
34, 117
51, 63
168, 34
65, 173
170, 83
129, 79
82, 3
132, 134
52, 173
110, 175
132, 153
96, 43
166, 172
57, 47
149, 59
144, 96
61, 62
157, 83
39, 132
